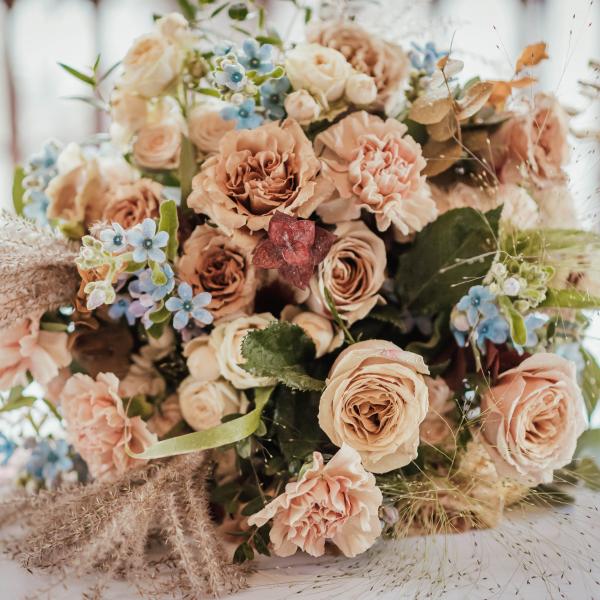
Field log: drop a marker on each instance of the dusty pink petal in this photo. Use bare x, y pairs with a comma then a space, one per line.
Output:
338, 502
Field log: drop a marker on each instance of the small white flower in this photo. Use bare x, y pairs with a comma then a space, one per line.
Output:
511, 286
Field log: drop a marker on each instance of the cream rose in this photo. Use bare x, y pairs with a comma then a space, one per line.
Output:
226, 338
353, 271
375, 166
204, 403
257, 172
201, 358
130, 111
361, 89
318, 328
321, 71
532, 418
157, 146
375, 399
386, 63
175, 28
337, 502
221, 265
301, 106
150, 65
207, 127
533, 145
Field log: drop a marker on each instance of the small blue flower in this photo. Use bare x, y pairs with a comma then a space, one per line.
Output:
225, 47
36, 206
479, 301
147, 243
187, 305
256, 57
494, 328
157, 292
272, 96
121, 308
232, 76
533, 322
425, 58
48, 460
243, 115
114, 238
7, 448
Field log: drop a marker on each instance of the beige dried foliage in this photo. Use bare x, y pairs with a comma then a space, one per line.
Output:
37, 269
114, 528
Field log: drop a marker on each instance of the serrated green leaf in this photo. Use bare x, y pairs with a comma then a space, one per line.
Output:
18, 191
569, 298
169, 222
78, 74
187, 169
446, 258
281, 351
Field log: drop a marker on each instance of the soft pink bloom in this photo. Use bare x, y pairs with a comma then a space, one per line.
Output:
375, 166
531, 420
533, 145
337, 502
25, 348
98, 426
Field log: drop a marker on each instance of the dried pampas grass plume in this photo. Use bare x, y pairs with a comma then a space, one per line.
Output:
109, 527
37, 269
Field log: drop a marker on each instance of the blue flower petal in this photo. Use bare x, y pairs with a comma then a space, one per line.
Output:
202, 316
185, 291
181, 319
202, 299
157, 255
174, 304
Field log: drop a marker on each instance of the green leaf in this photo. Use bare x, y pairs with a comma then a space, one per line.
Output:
238, 12
547, 494
307, 14
187, 169
590, 380
209, 92
18, 190
243, 553
446, 258
588, 444
269, 39
169, 222
217, 10
138, 406
569, 298
189, 12
221, 435
109, 71
261, 540
280, 351
518, 330
91, 100
78, 74
296, 423
161, 315
18, 402
255, 505
588, 472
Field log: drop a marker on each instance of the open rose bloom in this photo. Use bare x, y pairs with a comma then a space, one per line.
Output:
347, 269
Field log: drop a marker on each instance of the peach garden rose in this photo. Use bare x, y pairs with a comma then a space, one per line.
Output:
98, 426
375, 399
131, 203
337, 502
158, 145
532, 417
257, 172
375, 166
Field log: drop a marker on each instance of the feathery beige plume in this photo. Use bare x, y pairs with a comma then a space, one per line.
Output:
37, 269
108, 527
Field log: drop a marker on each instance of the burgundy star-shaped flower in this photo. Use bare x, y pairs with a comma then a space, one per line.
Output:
294, 247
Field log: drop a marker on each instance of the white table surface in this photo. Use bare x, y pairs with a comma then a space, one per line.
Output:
534, 554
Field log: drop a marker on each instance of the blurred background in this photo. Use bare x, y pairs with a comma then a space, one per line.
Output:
488, 34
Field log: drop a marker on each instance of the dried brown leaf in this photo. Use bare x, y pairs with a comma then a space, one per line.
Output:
430, 108
474, 99
531, 56
445, 129
441, 156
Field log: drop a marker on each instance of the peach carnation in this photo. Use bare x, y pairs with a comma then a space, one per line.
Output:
25, 348
375, 166
98, 426
256, 172
337, 502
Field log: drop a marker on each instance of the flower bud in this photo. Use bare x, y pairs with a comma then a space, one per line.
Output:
300, 105
361, 89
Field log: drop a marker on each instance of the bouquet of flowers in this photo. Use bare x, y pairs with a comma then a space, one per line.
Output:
301, 296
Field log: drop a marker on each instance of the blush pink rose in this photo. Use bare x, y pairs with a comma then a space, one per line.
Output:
531, 420
375, 166
98, 426
533, 145
257, 172
25, 348
336, 502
